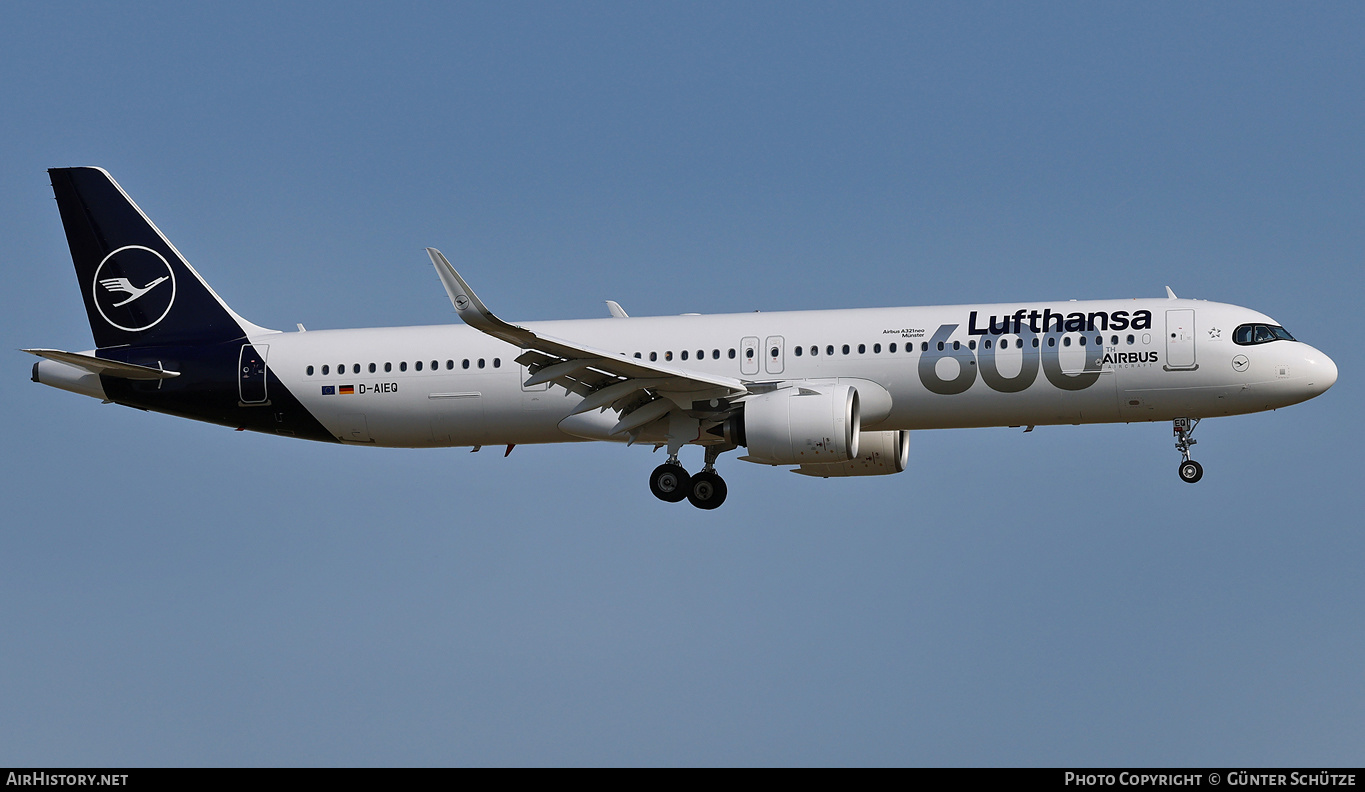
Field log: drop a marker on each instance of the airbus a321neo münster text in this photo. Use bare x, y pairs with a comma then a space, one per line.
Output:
830, 392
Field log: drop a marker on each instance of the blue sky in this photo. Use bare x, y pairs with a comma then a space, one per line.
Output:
177, 593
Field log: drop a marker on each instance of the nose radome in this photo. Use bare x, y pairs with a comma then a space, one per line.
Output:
1322, 372
1329, 373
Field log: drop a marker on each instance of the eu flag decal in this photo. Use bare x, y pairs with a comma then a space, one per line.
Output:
329, 390
347, 389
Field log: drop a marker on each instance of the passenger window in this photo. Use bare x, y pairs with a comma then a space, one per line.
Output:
732, 353
1066, 341
417, 366
814, 350
829, 350
1082, 341
845, 350
971, 344
892, 348
310, 371
464, 363
450, 364
797, 350
773, 352
1035, 343
668, 355
372, 368
862, 349
987, 344
924, 346
325, 369
480, 362
637, 356
715, 354
403, 366
497, 362
940, 346
388, 367
684, 354
701, 354
1052, 342
653, 355
749, 354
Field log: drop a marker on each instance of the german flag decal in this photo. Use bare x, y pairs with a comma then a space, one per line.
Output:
345, 389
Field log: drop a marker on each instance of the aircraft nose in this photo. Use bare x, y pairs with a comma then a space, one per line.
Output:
1322, 372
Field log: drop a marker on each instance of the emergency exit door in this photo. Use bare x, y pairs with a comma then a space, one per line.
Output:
748, 350
773, 353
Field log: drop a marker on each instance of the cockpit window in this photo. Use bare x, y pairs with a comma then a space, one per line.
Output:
1249, 334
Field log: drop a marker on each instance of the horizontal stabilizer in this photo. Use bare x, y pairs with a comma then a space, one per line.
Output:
107, 368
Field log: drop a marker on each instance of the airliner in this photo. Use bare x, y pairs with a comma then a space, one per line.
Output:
826, 393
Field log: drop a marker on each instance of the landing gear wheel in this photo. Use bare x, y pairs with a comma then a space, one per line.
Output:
670, 483
1191, 471
707, 490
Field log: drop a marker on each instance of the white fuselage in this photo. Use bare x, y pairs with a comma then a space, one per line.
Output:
365, 385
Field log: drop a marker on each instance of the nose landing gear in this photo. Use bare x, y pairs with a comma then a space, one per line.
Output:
1190, 471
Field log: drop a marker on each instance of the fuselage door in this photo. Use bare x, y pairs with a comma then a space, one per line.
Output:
748, 355
251, 374
1180, 339
773, 351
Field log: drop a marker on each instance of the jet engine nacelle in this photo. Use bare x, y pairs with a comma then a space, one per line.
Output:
802, 425
879, 454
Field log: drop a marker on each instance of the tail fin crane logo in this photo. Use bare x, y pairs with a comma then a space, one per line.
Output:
118, 297
124, 285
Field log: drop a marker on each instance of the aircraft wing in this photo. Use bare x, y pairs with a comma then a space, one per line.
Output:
605, 379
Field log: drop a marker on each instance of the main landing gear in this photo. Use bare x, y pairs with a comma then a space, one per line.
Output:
670, 483
1190, 471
